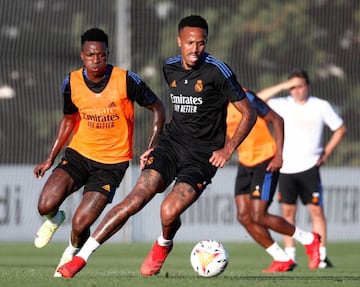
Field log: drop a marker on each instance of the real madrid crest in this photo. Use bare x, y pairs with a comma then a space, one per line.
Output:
199, 86
150, 160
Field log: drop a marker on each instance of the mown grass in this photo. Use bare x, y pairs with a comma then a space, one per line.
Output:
117, 264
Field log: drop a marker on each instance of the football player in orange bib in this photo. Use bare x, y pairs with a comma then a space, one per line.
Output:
98, 123
259, 161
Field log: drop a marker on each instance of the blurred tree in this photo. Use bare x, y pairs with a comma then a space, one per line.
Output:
261, 40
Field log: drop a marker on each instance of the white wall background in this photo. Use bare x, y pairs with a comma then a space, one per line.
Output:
213, 216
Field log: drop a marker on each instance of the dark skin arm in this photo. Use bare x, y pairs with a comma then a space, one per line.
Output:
249, 115
277, 123
157, 123
64, 131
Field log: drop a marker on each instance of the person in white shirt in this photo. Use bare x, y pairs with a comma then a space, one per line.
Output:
305, 118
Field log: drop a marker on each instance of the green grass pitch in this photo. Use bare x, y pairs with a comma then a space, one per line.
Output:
117, 264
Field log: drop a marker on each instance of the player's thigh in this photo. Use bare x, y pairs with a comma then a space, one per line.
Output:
243, 208
242, 202
181, 196
194, 173
57, 187
91, 206
288, 211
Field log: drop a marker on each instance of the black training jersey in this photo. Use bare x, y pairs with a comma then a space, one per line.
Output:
199, 100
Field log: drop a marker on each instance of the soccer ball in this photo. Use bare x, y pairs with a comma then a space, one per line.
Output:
209, 258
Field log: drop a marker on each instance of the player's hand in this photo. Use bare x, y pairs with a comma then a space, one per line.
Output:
220, 157
294, 82
322, 159
144, 157
275, 164
41, 168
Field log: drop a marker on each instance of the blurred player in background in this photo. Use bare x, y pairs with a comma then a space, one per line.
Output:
190, 149
259, 161
305, 117
98, 121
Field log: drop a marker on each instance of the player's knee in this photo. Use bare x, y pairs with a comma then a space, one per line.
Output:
258, 218
46, 207
168, 213
133, 204
244, 218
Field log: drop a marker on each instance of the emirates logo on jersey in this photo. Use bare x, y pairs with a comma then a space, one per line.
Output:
199, 86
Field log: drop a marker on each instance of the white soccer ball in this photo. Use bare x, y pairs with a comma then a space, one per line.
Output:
209, 258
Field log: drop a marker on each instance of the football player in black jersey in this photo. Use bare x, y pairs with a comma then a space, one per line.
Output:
190, 149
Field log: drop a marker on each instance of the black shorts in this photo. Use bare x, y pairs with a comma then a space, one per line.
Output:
174, 161
94, 176
306, 185
256, 181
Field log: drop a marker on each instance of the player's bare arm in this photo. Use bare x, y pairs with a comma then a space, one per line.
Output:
64, 131
277, 124
157, 124
267, 93
221, 156
335, 139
